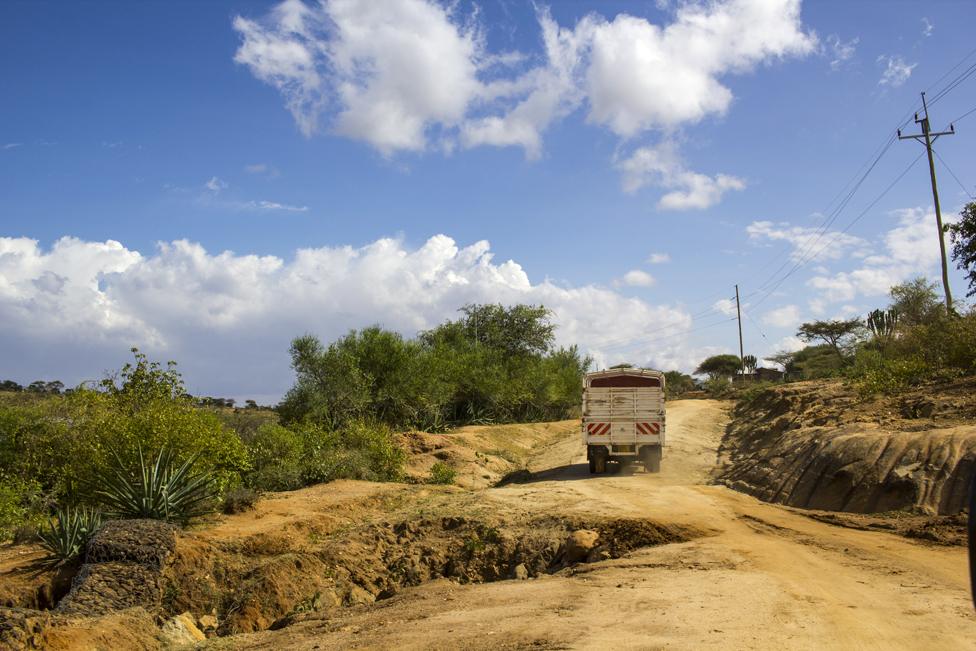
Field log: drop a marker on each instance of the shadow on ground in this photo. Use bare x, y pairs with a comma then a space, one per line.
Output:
569, 472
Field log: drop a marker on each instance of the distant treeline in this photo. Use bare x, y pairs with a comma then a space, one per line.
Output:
56, 387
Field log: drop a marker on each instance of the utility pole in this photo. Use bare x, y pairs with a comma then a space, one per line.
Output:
738, 313
927, 138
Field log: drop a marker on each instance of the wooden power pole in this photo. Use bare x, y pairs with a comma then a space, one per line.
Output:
927, 138
738, 313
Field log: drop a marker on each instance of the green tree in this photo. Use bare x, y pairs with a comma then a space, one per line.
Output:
839, 334
676, 383
493, 364
517, 330
720, 366
963, 234
916, 302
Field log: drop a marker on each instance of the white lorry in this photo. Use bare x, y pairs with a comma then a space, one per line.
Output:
623, 417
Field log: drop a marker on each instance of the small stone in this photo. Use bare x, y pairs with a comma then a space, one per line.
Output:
521, 572
207, 623
579, 543
181, 631
359, 596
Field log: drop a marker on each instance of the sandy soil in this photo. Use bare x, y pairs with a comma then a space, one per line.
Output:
768, 577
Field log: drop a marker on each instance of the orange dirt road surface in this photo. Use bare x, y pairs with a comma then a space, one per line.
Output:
768, 578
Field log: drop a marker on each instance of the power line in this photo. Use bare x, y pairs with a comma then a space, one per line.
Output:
966, 114
666, 337
953, 174
756, 326
879, 153
871, 205
624, 341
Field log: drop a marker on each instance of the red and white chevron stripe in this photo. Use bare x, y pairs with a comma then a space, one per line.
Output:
598, 429
649, 428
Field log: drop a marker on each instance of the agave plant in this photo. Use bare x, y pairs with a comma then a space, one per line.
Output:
68, 533
158, 490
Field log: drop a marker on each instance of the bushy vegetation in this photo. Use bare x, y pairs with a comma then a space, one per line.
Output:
442, 473
910, 341
138, 445
493, 365
239, 500
677, 383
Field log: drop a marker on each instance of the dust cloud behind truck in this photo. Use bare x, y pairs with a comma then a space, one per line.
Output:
623, 417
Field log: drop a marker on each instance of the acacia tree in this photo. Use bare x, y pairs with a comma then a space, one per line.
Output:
838, 334
963, 234
718, 366
915, 302
787, 359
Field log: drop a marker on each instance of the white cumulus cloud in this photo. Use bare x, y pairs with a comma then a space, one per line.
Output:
808, 243
403, 74
73, 310
661, 166
911, 248
658, 258
786, 316
637, 278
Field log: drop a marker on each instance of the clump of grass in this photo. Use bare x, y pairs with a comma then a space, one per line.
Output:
67, 534
442, 473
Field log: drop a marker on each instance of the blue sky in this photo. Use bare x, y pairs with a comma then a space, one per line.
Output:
189, 151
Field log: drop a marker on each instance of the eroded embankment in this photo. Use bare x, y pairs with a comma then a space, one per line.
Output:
818, 445
141, 573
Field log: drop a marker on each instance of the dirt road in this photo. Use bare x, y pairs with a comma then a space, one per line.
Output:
766, 576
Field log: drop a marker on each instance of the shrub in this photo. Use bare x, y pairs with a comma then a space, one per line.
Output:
495, 364
872, 373
276, 458
238, 500
158, 490
67, 534
359, 450
62, 441
21, 508
442, 473
718, 387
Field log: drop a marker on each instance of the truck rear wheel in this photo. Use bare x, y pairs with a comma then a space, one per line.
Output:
592, 466
651, 456
600, 464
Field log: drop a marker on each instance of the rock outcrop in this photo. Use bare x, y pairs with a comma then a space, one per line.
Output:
819, 445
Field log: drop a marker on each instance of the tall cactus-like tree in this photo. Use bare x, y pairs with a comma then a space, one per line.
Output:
750, 362
882, 325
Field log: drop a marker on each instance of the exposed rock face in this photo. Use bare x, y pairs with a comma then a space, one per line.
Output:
820, 446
